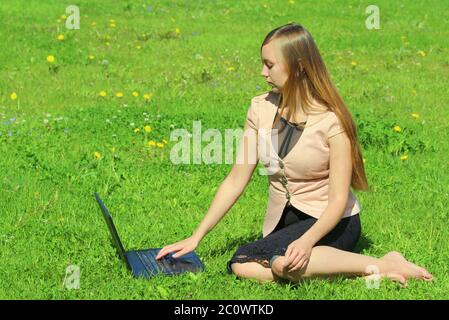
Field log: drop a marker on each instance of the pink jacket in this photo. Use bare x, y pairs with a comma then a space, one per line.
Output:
302, 177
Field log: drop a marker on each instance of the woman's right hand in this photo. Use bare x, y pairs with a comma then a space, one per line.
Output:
181, 248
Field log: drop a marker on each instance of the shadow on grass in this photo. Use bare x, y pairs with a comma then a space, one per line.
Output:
364, 243
234, 243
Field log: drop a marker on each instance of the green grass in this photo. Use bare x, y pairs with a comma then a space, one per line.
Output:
48, 170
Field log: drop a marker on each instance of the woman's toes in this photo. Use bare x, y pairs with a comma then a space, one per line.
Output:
410, 270
395, 277
398, 278
422, 273
427, 275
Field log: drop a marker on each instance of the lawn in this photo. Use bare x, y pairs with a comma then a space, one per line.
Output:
92, 109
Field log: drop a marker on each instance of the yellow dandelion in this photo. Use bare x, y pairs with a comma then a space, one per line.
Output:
147, 96
397, 129
178, 31
97, 155
415, 115
13, 96
61, 37
147, 128
119, 94
230, 69
160, 145
291, 2
51, 58
138, 46
63, 17
353, 63
165, 141
91, 57
151, 143
404, 157
137, 130
135, 94
112, 25
113, 149
364, 160
102, 93
422, 53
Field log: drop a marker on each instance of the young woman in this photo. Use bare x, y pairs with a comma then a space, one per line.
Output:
312, 220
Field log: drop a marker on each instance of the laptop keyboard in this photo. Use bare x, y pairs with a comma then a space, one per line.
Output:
157, 265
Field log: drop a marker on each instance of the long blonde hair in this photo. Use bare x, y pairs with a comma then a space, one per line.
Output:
308, 78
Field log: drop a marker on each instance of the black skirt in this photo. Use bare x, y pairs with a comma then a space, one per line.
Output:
292, 225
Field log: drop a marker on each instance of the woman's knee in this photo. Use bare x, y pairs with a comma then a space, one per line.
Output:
247, 269
277, 266
239, 269
278, 269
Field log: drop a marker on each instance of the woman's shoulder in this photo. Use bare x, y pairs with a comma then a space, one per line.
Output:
324, 116
260, 104
332, 124
266, 97
332, 118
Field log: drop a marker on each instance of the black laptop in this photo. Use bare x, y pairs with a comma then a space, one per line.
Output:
143, 263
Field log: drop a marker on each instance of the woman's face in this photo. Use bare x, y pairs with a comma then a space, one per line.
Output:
273, 68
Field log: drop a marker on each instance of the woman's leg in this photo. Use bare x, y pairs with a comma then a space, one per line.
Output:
271, 243
254, 270
324, 262
327, 261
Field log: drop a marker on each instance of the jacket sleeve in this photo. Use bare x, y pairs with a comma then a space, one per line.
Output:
251, 115
334, 127
248, 152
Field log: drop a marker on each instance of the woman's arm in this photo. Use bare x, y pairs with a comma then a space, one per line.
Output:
340, 173
227, 194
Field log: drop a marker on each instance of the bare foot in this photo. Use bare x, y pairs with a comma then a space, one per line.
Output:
407, 268
396, 277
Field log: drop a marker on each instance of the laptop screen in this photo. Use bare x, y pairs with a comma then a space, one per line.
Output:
115, 238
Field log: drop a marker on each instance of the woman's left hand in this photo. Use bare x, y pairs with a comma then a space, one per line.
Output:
298, 254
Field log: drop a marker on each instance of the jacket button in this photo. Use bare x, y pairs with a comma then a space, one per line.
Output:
288, 196
281, 164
